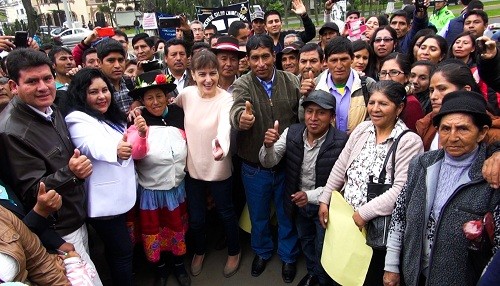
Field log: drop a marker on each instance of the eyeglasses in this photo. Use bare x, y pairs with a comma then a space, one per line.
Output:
378, 40
4, 80
391, 73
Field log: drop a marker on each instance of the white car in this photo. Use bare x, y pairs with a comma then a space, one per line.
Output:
71, 37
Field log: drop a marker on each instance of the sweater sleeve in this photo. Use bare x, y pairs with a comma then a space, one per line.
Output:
240, 95
140, 145
396, 231
270, 157
78, 52
489, 71
224, 126
409, 146
309, 29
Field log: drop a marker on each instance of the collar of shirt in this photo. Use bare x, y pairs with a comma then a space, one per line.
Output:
47, 115
398, 128
316, 142
123, 85
331, 84
183, 77
268, 85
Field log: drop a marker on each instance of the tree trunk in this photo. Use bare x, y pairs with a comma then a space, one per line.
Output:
31, 15
317, 8
286, 6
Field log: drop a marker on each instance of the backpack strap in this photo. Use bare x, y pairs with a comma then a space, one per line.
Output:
364, 88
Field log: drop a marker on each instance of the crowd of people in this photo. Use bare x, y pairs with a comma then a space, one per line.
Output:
140, 145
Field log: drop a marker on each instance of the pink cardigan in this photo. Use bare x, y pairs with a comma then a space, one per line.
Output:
409, 146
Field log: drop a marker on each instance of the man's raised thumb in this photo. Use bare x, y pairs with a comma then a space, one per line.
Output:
41, 189
76, 153
124, 139
276, 126
248, 107
311, 75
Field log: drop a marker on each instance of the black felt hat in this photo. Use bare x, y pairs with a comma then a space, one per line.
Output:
152, 79
463, 101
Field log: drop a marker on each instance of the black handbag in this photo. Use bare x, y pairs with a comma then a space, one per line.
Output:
377, 229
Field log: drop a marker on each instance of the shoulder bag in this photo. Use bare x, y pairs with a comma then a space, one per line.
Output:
377, 229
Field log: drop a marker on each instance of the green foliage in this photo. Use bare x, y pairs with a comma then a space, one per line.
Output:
276, 5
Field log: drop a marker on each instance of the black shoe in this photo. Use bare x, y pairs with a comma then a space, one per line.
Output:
160, 281
183, 278
161, 276
288, 272
258, 265
308, 280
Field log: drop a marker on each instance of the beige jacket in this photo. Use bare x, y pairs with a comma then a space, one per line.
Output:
36, 265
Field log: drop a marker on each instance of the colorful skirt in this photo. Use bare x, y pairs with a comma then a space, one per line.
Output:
164, 221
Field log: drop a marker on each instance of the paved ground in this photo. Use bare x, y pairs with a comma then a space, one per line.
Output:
212, 267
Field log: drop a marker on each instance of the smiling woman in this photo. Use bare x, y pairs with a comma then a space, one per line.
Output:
363, 157
206, 108
111, 188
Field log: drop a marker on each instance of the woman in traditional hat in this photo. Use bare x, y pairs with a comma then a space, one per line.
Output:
160, 150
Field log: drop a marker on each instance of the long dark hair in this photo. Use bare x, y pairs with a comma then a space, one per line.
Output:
370, 67
421, 33
457, 73
76, 98
472, 55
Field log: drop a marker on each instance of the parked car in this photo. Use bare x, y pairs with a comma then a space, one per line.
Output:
71, 37
56, 31
44, 30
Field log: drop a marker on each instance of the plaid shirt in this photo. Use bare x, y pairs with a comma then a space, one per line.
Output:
121, 97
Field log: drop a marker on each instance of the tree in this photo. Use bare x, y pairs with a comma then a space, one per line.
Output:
31, 15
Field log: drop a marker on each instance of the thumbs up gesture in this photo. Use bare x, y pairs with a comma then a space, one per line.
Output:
272, 135
247, 119
217, 150
124, 148
308, 84
140, 124
47, 202
80, 165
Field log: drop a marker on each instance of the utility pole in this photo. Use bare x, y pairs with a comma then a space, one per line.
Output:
69, 20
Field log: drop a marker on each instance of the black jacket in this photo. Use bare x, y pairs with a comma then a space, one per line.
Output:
305, 36
33, 149
328, 153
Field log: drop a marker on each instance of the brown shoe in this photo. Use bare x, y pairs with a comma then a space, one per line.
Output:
197, 264
232, 265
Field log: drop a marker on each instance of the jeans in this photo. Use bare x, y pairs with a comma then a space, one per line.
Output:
311, 236
261, 187
196, 200
118, 247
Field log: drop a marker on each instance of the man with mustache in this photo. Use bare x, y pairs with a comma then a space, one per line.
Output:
260, 97
288, 58
176, 58
228, 55
343, 83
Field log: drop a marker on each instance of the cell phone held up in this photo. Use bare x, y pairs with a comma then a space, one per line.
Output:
480, 46
170, 22
21, 39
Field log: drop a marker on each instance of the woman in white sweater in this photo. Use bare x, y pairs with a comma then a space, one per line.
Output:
98, 130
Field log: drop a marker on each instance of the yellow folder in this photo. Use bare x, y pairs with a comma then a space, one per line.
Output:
345, 256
